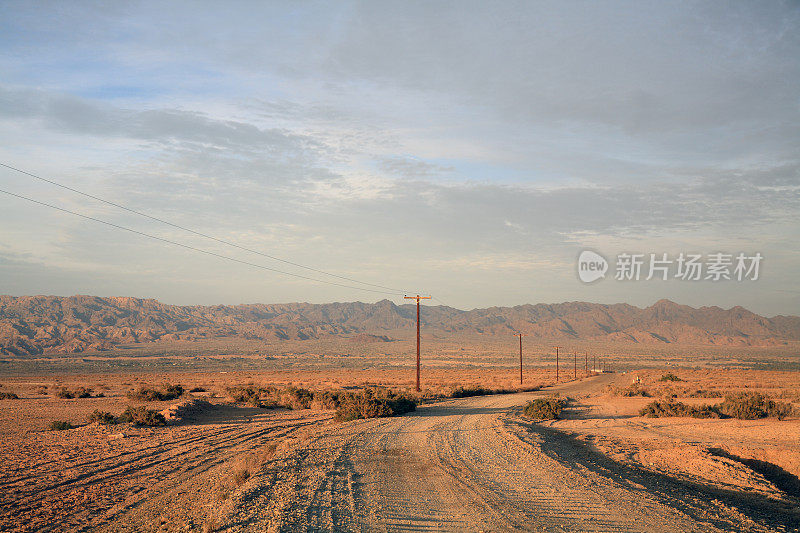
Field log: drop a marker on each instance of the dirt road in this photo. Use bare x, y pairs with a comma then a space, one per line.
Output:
476, 465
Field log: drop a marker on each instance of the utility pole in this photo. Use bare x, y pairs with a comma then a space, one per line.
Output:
574, 365
520, 335
586, 362
594, 363
557, 364
417, 298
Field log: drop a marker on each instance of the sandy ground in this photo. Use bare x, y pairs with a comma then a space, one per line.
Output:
458, 465
476, 465
123, 478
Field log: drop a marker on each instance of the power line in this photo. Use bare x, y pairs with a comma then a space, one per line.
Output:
441, 302
198, 233
188, 247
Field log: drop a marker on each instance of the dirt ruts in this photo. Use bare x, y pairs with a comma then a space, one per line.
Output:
476, 465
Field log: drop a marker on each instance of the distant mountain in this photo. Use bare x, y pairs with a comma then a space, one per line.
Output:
31, 325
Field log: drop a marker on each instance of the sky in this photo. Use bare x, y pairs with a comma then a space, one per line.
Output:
468, 150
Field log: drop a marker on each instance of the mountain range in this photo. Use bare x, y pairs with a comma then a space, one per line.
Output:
33, 325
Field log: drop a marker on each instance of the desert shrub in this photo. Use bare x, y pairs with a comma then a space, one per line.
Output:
742, 405
172, 392
544, 408
41, 389
148, 394
197, 389
745, 405
144, 394
141, 416
272, 397
59, 425
257, 397
631, 390
296, 398
102, 417
373, 403
327, 399
661, 409
467, 392
791, 395
753, 405
635, 390
780, 410
700, 393
80, 392
706, 411
267, 403
477, 390
670, 377
65, 394
243, 394
8, 396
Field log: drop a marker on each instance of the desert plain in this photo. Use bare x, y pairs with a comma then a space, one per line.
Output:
454, 464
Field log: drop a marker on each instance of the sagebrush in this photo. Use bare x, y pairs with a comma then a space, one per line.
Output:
741, 405
544, 408
80, 392
102, 417
142, 416
149, 394
373, 403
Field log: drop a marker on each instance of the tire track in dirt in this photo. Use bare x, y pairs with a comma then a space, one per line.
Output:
120, 487
467, 465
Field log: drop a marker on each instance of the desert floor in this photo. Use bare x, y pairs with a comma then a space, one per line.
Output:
471, 464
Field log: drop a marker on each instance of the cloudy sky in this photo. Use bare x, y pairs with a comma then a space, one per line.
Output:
467, 149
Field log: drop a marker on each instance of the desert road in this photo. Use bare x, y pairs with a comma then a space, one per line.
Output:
475, 465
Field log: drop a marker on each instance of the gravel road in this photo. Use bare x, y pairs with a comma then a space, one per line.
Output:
471, 465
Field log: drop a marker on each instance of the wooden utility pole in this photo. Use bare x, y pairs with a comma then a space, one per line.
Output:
594, 364
586, 362
557, 347
574, 365
417, 298
520, 335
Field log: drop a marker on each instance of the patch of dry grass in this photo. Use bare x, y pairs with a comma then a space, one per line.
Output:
242, 468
